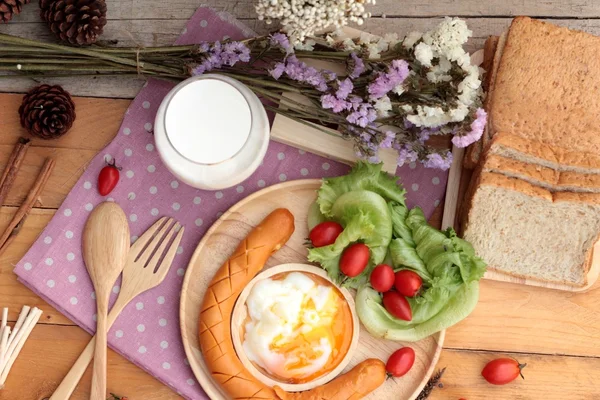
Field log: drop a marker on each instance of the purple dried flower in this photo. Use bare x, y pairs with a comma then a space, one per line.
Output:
298, 71
436, 160
345, 87
329, 75
281, 40
357, 64
389, 139
204, 47
424, 136
366, 137
363, 116
385, 82
217, 56
477, 127
277, 70
329, 101
406, 154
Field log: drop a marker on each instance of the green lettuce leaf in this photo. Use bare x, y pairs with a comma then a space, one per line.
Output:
365, 218
428, 318
314, 217
364, 176
357, 228
404, 256
401, 230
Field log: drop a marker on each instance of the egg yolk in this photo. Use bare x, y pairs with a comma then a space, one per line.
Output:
298, 328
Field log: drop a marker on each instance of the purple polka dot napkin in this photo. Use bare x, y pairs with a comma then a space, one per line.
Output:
147, 332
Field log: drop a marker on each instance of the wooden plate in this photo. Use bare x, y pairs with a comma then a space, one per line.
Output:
220, 241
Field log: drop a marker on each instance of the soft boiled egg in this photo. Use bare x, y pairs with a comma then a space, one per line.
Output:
299, 326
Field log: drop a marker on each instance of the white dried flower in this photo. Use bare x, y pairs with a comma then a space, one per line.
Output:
448, 37
429, 117
308, 45
424, 54
412, 38
383, 106
459, 113
399, 89
302, 18
374, 53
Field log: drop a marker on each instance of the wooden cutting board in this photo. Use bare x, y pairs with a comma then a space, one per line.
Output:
458, 182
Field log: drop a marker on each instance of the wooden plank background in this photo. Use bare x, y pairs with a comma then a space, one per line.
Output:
558, 334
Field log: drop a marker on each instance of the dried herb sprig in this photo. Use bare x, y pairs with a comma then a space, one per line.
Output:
434, 381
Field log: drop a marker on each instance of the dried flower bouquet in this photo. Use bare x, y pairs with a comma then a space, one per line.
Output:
395, 93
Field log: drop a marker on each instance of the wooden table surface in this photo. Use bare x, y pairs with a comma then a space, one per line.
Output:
556, 333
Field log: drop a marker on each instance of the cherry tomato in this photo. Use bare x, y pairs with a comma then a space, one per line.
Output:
400, 362
502, 371
382, 278
325, 233
354, 259
108, 179
397, 305
408, 282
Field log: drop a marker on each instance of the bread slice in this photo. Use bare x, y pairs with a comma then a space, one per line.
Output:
547, 178
489, 131
527, 231
554, 157
474, 150
547, 86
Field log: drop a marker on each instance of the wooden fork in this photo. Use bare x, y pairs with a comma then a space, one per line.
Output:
142, 272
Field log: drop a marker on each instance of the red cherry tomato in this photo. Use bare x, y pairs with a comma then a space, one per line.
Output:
502, 371
354, 259
397, 305
400, 362
408, 282
108, 179
325, 233
382, 278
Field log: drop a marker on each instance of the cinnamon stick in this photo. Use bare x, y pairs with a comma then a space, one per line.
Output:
12, 167
17, 221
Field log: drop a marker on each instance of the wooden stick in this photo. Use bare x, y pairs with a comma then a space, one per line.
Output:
4, 318
18, 324
13, 345
4, 343
28, 326
15, 224
14, 163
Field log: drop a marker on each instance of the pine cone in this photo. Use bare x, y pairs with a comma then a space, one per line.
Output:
9, 8
47, 111
78, 22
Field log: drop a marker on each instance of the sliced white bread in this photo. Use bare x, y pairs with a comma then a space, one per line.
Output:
546, 87
550, 156
526, 231
547, 178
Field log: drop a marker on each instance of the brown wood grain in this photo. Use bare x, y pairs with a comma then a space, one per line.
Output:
509, 318
49, 353
546, 377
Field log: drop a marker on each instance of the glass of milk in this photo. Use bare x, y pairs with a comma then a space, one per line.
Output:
211, 132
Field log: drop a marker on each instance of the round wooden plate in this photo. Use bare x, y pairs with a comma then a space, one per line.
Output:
224, 236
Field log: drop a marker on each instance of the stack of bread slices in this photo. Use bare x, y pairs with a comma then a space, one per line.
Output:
533, 206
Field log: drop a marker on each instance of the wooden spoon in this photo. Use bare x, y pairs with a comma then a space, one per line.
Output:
105, 247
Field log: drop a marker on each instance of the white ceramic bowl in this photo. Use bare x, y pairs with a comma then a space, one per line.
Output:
211, 132
240, 312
